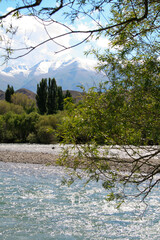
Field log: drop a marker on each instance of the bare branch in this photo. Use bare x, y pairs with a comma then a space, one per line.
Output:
37, 3
122, 25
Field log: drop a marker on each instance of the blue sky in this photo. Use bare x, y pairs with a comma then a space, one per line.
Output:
30, 32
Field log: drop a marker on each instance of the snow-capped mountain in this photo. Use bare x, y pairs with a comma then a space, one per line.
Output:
68, 74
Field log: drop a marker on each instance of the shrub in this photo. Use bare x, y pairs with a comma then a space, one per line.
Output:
48, 120
29, 105
19, 126
6, 107
32, 138
46, 135
1, 129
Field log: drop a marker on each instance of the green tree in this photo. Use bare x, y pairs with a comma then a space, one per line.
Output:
52, 96
123, 116
45, 130
41, 97
8, 93
10, 107
17, 127
49, 97
2, 131
60, 98
67, 99
67, 94
29, 105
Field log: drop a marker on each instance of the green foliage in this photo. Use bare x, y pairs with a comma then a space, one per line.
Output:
46, 135
16, 127
4, 107
68, 104
32, 127
139, 34
91, 120
60, 98
1, 128
10, 107
8, 93
32, 138
125, 113
21, 99
47, 130
67, 94
49, 97
18, 104
114, 116
9, 127
41, 96
140, 86
52, 96
48, 120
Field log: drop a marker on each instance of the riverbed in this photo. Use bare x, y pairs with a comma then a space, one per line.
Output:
35, 205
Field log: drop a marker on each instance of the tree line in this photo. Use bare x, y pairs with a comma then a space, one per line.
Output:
35, 121
49, 97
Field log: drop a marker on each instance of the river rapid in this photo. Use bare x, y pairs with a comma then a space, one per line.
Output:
34, 205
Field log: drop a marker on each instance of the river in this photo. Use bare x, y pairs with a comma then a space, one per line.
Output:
34, 205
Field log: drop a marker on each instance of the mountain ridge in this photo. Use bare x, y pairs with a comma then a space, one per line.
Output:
68, 74
75, 94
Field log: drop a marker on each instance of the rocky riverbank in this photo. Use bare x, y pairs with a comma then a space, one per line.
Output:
48, 155
28, 157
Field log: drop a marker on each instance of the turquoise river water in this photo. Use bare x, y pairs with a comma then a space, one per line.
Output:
34, 205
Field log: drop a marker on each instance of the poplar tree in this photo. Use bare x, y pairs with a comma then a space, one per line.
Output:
41, 96
52, 98
60, 98
67, 94
8, 93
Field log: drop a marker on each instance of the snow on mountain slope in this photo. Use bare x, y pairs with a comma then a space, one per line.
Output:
68, 74
16, 69
5, 79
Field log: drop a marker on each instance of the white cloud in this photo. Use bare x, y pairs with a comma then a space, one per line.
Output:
103, 42
9, 9
83, 26
31, 32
